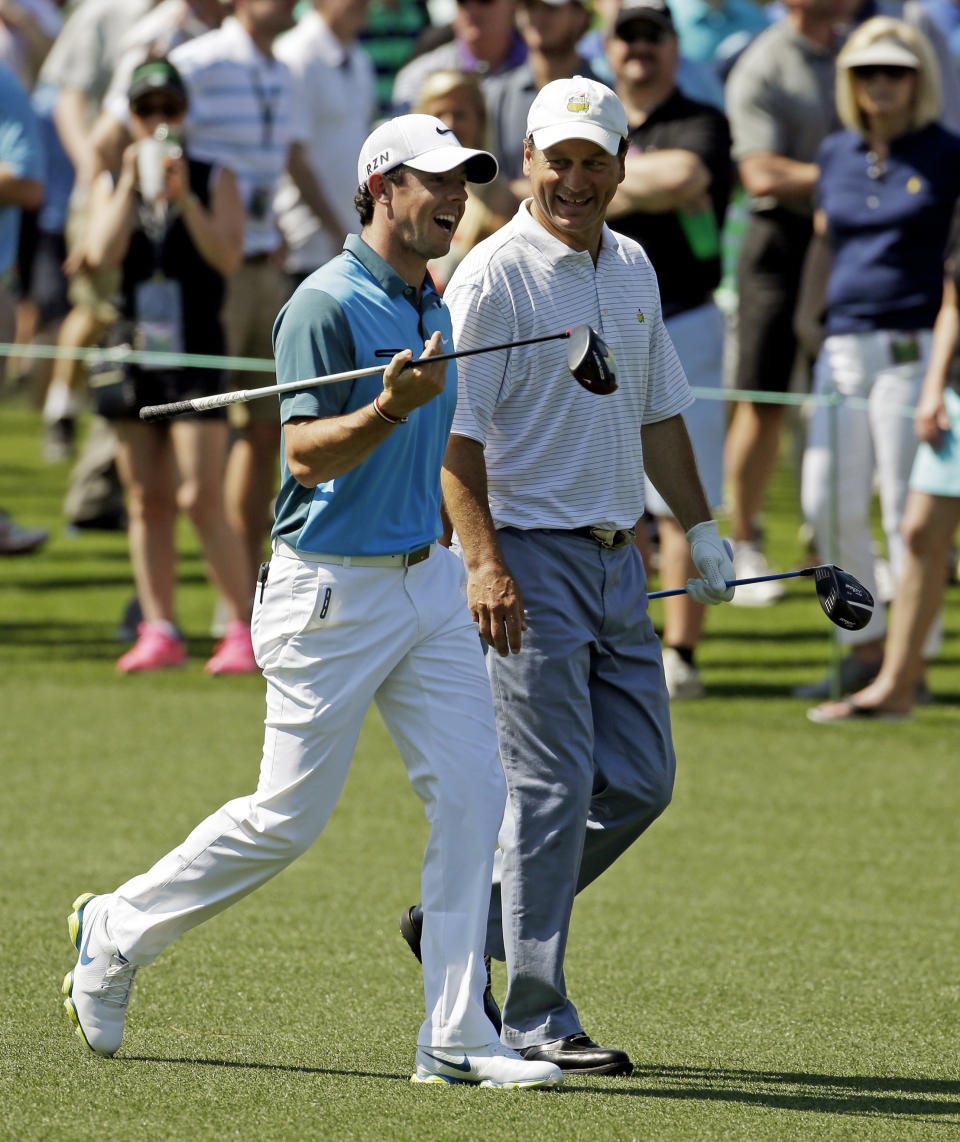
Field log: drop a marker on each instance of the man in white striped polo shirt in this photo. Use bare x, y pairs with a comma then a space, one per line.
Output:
544, 481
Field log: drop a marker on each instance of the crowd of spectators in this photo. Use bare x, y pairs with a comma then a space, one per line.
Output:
742, 166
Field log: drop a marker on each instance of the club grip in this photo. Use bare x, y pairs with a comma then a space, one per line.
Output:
163, 411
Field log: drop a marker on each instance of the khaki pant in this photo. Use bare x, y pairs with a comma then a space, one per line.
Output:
255, 295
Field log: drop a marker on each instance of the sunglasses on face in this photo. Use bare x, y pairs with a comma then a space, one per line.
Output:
886, 70
642, 33
168, 108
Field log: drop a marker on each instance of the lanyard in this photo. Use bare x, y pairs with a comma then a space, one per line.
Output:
266, 108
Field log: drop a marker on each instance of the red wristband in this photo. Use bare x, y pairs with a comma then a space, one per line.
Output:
386, 415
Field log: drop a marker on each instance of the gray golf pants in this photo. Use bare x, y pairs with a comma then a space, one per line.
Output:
583, 719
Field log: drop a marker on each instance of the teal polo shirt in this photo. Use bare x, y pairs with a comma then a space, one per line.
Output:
339, 316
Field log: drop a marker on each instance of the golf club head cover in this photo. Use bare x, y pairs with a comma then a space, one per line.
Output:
713, 558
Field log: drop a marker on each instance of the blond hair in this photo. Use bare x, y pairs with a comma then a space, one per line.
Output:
437, 84
927, 100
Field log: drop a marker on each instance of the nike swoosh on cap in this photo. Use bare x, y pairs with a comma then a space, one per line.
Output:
444, 130
464, 1066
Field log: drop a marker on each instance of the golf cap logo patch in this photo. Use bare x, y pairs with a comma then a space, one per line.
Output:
377, 162
578, 104
914, 185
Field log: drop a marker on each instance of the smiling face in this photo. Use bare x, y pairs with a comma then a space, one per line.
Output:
424, 211
573, 183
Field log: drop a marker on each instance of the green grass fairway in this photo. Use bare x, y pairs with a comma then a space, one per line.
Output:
779, 954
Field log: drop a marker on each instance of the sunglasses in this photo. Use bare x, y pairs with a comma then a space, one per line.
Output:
887, 70
642, 33
168, 108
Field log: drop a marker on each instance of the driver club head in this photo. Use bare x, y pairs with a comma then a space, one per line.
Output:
590, 360
845, 600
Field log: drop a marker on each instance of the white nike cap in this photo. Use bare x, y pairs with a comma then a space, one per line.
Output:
424, 143
577, 108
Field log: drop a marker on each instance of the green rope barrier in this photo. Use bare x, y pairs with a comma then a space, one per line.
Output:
122, 354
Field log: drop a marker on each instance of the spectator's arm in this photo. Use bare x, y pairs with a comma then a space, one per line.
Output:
70, 118
305, 180
27, 193
765, 174
111, 214
930, 418
217, 230
108, 138
662, 181
37, 41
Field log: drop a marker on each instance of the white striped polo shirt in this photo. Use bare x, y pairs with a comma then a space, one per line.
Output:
558, 456
243, 115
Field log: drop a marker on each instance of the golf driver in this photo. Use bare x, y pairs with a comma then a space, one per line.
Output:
588, 359
845, 600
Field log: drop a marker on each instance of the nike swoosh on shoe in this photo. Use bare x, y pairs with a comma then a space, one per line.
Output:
464, 1066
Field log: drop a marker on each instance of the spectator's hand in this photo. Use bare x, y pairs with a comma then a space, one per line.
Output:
714, 560
930, 419
176, 178
406, 389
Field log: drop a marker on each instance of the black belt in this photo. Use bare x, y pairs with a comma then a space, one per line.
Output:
614, 539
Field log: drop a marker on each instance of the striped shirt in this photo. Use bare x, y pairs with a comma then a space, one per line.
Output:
243, 115
558, 456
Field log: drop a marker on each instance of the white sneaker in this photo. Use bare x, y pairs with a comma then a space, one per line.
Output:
683, 678
98, 989
749, 563
493, 1066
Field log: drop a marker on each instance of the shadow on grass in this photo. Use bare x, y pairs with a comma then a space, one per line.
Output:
337, 1072
867, 1096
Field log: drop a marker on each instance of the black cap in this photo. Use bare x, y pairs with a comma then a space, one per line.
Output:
653, 11
156, 75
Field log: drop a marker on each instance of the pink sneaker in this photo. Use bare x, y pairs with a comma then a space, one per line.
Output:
153, 650
234, 655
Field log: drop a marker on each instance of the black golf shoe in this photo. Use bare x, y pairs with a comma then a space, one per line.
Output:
579, 1055
411, 928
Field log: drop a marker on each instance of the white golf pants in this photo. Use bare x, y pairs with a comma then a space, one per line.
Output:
875, 446
331, 640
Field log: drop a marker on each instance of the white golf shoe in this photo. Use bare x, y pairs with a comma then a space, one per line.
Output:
749, 562
493, 1066
682, 678
98, 989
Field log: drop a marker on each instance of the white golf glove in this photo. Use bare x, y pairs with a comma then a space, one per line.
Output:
713, 557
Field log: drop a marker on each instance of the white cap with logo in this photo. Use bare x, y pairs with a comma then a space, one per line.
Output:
577, 108
424, 143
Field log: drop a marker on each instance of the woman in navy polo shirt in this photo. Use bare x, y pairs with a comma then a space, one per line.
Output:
887, 189
931, 518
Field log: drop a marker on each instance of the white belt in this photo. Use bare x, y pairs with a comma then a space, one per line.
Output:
409, 559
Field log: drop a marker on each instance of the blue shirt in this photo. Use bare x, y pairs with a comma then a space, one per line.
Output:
888, 228
59, 173
21, 151
702, 27
336, 320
